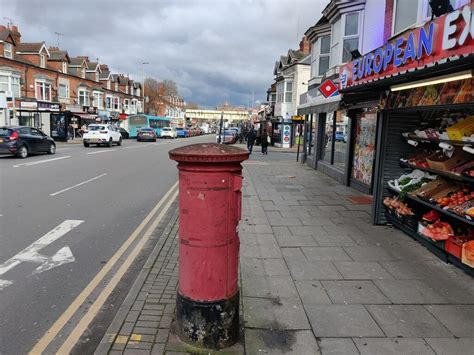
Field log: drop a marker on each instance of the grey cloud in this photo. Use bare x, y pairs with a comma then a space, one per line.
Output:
216, 51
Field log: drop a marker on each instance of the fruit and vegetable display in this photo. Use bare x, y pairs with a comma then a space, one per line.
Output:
456, 199
398, 206
436, 231
413, 178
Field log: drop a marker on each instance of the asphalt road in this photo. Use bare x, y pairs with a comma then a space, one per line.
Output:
109, 191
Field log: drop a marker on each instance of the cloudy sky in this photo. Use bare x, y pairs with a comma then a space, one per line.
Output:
216, 50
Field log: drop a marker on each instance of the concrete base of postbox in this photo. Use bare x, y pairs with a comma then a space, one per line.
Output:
210, 325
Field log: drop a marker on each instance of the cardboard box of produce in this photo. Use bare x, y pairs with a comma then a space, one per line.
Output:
461, 129
468, 253
431, 188
439, 161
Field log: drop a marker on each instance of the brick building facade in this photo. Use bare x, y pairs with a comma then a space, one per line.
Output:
37, 83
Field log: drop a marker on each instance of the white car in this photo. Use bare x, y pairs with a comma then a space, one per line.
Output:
168, 132
101, 134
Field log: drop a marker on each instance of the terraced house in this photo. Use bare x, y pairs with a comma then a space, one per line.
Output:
46, 88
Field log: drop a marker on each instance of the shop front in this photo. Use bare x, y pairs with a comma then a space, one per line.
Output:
37, 114
423, 172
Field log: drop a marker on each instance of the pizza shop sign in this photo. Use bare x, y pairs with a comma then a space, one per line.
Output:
449, 35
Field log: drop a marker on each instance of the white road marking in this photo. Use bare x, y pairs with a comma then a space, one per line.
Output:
102, 151
40, 161
77, 185
55, 329
30, 254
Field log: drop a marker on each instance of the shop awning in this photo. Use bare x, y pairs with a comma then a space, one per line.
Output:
122, 116
85, 116
322, 105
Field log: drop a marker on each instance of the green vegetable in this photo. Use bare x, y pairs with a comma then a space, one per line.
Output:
411, 188
404, 181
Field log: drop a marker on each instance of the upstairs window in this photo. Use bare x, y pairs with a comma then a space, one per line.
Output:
63, 91
280, 92
108, 102
98, 102
43, 90
83, 72
7, 50
351, 36
289, 91
406, 14
108, 84
42, 61
116, 87
324, 54
64, 67
83, 98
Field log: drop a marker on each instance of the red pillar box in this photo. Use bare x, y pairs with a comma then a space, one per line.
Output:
207, 303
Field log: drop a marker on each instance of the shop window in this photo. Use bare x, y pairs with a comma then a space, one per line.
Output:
324, 55
7, 50
83, 98
310, 134
289, 91
364, 146
43, 91
63, 91
328, 138
341, 139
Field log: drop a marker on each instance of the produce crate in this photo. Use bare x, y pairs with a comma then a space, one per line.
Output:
461, 129
454, 244
411, 222
439, 161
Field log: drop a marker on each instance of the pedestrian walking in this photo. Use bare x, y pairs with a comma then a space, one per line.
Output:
251, 139
264, 141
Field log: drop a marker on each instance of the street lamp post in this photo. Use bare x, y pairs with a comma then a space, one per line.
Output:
143, 86
220, 128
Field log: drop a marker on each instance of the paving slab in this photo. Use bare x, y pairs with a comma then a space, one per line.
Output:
342, 321
312, 292
451, 346
393, 346
264, 341
354, 292
274, 313
325, 254
410, 291
338, 346
459, 319
359, 270
269, 286
409, 321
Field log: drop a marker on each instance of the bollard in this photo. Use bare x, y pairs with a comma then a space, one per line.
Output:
207, 301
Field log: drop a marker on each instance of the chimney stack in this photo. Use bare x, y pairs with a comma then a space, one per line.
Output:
305, 45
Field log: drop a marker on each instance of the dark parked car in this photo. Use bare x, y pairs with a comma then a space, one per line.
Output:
124, 133
23, 140
146, 134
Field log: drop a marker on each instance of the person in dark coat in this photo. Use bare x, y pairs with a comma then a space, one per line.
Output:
264, 142
251, 139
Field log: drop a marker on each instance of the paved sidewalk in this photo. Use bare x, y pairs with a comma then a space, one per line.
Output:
316, 277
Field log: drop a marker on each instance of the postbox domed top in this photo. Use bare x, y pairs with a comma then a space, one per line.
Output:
209, 153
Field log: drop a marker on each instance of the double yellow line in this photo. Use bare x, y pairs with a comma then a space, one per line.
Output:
87, 318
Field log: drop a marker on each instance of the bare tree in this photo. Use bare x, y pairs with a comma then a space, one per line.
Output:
170, 88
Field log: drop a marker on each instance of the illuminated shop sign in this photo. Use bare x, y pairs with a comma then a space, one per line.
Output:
448, 35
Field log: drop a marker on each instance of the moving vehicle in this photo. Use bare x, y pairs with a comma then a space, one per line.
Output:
135, 122
182, 133
146, 134
229, 136
124, 133
24, 140
168, 132
101, 134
